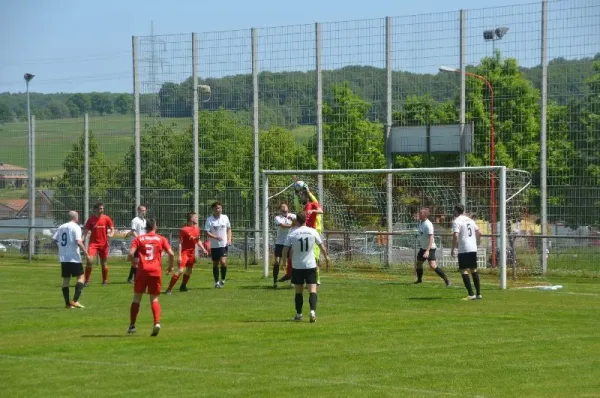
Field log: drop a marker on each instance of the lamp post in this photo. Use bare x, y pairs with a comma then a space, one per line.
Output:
492, 151
31, 150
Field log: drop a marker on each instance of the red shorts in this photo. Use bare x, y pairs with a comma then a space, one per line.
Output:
147, 283
187, 260
94, 249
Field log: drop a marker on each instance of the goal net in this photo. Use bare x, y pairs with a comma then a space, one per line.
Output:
370, 216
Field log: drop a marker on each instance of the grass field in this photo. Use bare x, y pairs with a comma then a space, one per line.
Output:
376, 335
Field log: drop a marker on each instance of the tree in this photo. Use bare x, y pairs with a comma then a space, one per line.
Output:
80, 101
70, 190
58, 110
101, 103
123, 104
350, 140
6, 114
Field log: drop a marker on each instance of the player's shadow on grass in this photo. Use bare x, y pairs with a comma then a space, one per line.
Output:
262, 287
102, 336
268, 321
428, 298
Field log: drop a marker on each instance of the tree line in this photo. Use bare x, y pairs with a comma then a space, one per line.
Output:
354, 138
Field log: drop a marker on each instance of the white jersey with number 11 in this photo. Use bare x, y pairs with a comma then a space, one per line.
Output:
302, 240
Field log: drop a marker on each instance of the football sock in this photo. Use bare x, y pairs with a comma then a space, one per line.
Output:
173, 282
299, 302
88, 272
475, 276
133, 312
467, 282
132, 271
419, 273
216, 273
275, 272
312, 300
78, 289
104, 274
156, 311
65, 291
186, 279
441, 273
223, 272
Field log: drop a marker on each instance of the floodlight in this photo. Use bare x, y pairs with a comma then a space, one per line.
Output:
28, 77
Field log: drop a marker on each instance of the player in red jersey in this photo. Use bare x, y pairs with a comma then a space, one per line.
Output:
101, 227
149, 275
189, 237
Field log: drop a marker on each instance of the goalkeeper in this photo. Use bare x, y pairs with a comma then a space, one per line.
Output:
313, 211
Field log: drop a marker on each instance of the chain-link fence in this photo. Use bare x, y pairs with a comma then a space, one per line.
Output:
211, 110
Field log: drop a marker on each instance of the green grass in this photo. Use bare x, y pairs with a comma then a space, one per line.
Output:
55, 137
376, 335
303, 133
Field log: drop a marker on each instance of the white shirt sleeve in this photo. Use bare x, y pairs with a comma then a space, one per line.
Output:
55, 236
428, 228
77, 233
455, 227
318, 238
207, 225
292, 216
228, 223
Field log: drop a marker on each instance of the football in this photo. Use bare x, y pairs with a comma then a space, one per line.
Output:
300, 186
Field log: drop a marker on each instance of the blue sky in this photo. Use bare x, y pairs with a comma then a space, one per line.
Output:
82, 46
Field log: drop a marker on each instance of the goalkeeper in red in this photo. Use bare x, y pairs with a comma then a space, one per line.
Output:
313, 212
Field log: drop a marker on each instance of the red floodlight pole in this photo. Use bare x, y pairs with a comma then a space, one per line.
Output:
492, 153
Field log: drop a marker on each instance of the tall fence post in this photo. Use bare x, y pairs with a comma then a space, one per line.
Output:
388, 130
32, 189
543, 148
195, 123
318, 47
136, 121
86, 168
463, 105
503, 240
256, 149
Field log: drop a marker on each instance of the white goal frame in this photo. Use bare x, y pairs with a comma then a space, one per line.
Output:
501, 170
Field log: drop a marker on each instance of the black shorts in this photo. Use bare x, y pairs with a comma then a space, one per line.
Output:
279, 250
71, 269
304, 276
430, 258
216, 253
467, 260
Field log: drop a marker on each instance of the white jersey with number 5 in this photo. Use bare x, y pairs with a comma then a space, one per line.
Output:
467, 238
66, 236
302, 240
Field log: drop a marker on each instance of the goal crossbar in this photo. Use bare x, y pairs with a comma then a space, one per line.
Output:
501, 170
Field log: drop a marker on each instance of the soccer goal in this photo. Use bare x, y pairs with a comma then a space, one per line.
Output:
370, 216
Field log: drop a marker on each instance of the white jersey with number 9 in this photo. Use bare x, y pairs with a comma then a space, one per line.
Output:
467, 237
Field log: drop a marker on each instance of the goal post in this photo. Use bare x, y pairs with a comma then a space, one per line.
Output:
430, 183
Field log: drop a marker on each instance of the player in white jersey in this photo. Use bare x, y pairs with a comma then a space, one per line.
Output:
69, 240
427, 248
138, 228
283, 224
302, 242
218, 229
465, 235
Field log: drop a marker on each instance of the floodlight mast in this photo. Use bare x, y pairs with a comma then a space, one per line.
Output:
444, 68
31, 149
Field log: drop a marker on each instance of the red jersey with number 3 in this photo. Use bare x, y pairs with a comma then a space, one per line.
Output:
189, 238
150, 248
99, 227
